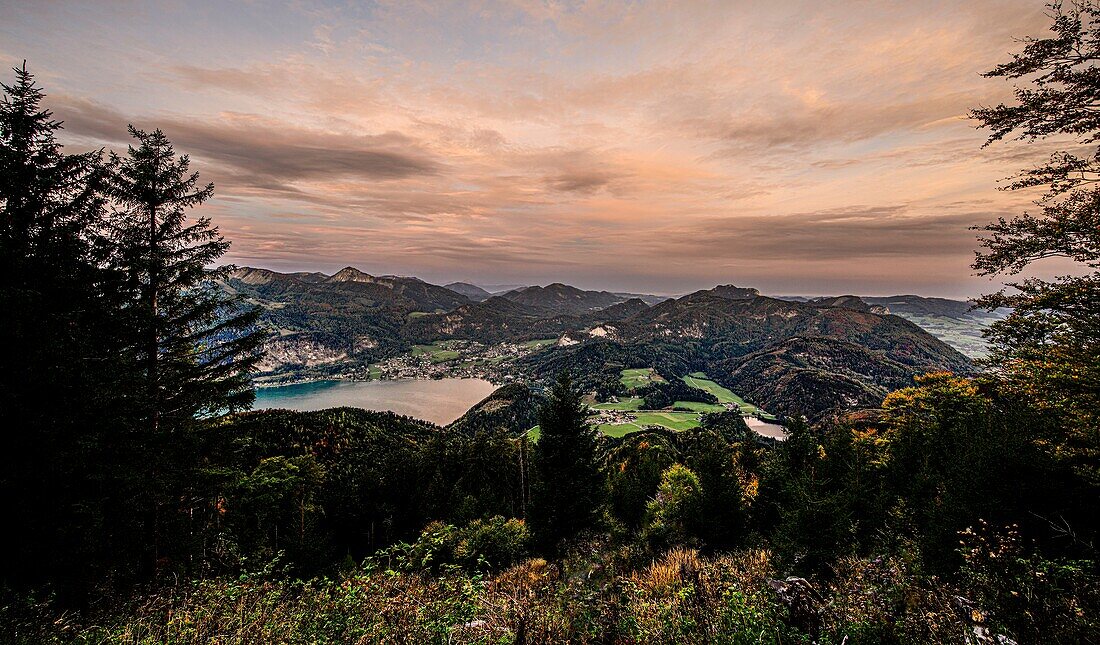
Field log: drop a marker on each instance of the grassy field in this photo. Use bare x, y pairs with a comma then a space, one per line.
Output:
636, 378
696, 406
438, 352
540, 342
633, 403
375, 371
700, 380
633, 379
671, 420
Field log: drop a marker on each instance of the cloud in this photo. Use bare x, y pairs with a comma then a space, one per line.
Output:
620, 145
259, 152
852, 234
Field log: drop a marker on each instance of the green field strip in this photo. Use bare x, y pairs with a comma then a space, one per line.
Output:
633, 403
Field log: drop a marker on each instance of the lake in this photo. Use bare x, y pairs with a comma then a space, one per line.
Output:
765, 429
437, 400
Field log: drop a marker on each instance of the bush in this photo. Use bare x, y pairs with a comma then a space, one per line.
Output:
481, 545
672, 516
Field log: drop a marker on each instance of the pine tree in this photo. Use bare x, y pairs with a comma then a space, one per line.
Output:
567, 490
58, 399
194, 346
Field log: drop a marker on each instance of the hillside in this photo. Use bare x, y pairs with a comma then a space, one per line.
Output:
786, 356
562, 298
815, 357
810, 375
513, 407
471, 291
735, 327
318, 320
952, 321
495, 320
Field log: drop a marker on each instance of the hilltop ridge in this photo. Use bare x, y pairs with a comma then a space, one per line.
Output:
814, 356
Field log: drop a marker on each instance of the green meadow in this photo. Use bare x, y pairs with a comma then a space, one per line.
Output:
671, 420
696, 406
701, 381
636, 378
686, 414
633, 403
437, 352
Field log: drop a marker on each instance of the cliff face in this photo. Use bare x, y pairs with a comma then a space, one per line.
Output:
304, 350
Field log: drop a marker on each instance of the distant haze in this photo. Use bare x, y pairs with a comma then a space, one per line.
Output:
796, 147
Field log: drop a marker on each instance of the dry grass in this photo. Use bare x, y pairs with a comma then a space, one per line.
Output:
681, 597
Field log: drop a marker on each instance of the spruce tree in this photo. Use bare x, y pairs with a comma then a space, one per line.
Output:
567, 490
58, 400
194, 347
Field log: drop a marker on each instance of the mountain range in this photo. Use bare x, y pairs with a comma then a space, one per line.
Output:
810, 356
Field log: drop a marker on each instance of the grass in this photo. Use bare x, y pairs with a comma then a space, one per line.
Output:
680, 596
540, 342
699, 380
633, 379
696, 406
618, 431
534, 433
703, 383
374, 371
672, 420
633, 403
438, 352
636, 378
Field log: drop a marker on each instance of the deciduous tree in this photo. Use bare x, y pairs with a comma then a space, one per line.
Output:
1048, 349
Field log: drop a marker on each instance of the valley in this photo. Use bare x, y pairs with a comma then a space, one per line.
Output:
642, 360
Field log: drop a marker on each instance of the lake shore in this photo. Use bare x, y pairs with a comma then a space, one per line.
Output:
439, 401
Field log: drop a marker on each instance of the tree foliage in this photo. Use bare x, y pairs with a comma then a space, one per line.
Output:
197, 349
673, 515
1048, 348
61, 344
567, 490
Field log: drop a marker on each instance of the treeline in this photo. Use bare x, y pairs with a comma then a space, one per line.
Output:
116, 347
951, 489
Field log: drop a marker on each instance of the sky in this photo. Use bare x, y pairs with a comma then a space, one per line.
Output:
662, 147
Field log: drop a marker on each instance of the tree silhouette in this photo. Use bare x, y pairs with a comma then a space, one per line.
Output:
1047, 349
193, 346
567, 489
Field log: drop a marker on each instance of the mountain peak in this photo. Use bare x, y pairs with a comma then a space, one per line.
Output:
471, 291
563, 298
848, 302
351, 274
250, 275
733, 292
